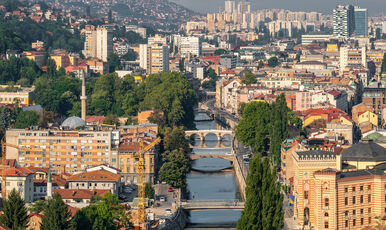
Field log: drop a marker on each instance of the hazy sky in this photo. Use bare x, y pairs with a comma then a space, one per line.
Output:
325, 6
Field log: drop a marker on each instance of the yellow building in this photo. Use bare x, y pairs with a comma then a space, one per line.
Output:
339, 190
368, 116
23, 97
61, 61
35, 56
332, 47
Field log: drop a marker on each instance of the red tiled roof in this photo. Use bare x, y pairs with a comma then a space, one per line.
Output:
93, 119
18, 172
80, 193
334, 93
131, 146
228, 71
99, 175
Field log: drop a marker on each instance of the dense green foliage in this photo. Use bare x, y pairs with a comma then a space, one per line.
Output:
169, 92
383, 67
130, 37
37, 206
7, 117
26, 119
103, 214
264, 202
176, 163
249, 79
17, 69
149, 191
19, 35
56, 214
211, 83
273, 62
263, 125
15, 212
220, 52
114, 62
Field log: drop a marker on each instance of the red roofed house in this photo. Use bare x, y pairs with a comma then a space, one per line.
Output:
80, 195
95, 120
21, 179
96, 180
334, 97
35, 220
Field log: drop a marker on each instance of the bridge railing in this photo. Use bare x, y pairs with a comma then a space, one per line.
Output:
212, 201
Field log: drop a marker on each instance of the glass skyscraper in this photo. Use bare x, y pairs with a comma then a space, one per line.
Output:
361, 21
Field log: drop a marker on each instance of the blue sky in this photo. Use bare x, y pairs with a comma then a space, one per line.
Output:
375, 7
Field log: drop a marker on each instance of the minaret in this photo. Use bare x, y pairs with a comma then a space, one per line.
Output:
49, 184
83, 98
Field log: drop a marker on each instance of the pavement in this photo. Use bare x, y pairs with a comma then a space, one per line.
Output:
159, 207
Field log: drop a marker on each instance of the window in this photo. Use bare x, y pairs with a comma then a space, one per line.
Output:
346, 213
346, 189
306, 195
369, 198
361, 210
369, 220
362, 221
346, 201
369, 210
361, 199
353, 189
326, 202
353, 199
353, 222
361, 188
326, 224
354, 212
326, 214
369, 187
346, 223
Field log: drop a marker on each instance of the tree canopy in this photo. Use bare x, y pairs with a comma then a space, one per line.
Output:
56, 214
15, 212
273, 62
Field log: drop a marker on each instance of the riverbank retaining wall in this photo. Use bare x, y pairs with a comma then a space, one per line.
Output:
177, 222
241, 179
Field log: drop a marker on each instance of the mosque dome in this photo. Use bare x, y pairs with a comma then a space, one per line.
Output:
73, 122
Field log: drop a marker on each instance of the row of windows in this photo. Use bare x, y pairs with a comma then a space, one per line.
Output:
361, 199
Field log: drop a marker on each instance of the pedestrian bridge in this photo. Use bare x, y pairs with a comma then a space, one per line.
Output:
201, 134
212, 205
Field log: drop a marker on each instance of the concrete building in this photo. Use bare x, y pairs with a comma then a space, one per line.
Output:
375, 98
22, 180
344, 23
24, 97
96, 180
98, 43
66, 151
154, 57
190, 46
352, 58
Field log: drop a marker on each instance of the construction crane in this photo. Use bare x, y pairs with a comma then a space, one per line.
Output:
141, 215
4, 165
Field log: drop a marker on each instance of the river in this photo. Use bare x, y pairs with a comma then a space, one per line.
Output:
209, 186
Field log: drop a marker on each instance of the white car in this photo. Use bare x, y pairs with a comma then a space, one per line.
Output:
162, 199
245, 157
168, 211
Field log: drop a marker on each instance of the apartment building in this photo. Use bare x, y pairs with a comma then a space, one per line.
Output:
66, 151
374, 97
98, 43
154, 57
22, 180
96, 180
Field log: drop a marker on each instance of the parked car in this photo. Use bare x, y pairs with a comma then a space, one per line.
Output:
168, 211
170, 189
162, 198
245, 156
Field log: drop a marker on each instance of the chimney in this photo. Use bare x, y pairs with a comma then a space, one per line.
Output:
83, 98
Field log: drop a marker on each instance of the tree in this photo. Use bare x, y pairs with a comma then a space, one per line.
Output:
174, 138
175, 168
273, 62
220, 52
261, 64
114, 62
111, 119
249, 79
56, 214
383, 67
15, 212
264, 201
26, 119
38, 206
7, 117
254, 127
149, 191
105, 213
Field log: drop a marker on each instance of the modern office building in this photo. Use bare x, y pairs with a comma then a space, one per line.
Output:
98, 43
344, 23
361, 22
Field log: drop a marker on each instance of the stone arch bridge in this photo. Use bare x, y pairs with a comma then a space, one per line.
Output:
201, 134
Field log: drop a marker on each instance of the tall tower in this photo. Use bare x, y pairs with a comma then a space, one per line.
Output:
83, 98
49, 184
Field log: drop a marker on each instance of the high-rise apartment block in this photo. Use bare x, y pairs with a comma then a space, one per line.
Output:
361, 22
98, 43
69, 151
344, 23
230, 6
352, 57
154, 58
190, 46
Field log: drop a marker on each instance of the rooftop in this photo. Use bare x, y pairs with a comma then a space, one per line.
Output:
99, 175
366, 150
